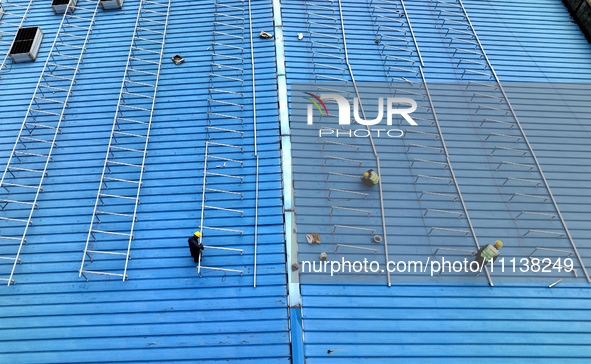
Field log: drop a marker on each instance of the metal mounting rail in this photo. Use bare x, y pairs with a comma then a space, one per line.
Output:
199, 266
226, 121
408, 74
25, 171
336, 249
226, 207
11, 10
125, 159
375, 152
453, 176
480, 58
328, 48
329, 63
254, 125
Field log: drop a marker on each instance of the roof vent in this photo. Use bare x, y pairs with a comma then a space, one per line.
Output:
112, 4
61, 6
26, 45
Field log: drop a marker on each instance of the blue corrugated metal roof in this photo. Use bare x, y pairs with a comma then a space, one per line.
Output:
468, 321
165, 312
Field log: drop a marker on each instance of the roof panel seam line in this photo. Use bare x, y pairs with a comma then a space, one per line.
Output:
453, 175
256, 154
291, 249
527, 143
371, 141
295, 297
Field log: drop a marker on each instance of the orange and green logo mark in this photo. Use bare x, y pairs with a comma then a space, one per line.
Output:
317, 101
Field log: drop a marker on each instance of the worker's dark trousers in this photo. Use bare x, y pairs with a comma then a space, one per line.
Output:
196, 249
367, 182
195, 253
480, 261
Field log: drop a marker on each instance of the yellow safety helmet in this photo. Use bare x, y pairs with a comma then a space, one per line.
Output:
197, 234
366, 175
499, 244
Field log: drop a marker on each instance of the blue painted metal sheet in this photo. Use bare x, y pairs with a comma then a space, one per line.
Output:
469, 321
165, 312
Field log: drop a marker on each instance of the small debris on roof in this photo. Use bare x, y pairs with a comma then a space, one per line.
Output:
323, 256
265, 35
295, 266
377, 41
177, 59
313, 238
300, 36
